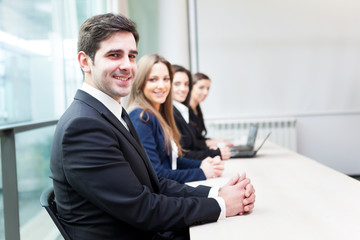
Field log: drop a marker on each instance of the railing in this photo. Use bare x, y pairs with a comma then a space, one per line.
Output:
9, 174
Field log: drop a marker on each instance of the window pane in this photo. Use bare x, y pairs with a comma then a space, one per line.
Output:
2, 233
39, 73
145, 14
25, 62
33, 154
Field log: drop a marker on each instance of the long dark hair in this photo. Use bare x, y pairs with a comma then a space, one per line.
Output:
178, 68
197, 77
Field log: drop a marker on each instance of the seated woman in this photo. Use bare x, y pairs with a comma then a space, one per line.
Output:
193, 147
199, 92
151, 112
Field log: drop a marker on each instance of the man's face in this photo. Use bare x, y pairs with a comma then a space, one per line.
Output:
114, 67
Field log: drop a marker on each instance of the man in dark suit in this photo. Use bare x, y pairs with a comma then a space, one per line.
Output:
105, 186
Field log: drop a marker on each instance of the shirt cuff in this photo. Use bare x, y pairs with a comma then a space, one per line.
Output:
214, 193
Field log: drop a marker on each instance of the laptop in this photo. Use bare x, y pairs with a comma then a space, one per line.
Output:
250, 140
249, 153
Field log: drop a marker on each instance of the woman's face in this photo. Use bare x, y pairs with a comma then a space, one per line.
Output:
180, 86
200, 90
157, 85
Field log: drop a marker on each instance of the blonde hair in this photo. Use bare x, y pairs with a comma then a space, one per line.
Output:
138, 99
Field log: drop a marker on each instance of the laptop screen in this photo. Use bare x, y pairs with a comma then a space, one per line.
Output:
252, 134
263, 141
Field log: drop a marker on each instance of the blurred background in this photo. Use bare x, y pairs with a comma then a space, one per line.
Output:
291, 66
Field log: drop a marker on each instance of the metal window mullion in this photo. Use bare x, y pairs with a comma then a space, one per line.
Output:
193, 36
10, 188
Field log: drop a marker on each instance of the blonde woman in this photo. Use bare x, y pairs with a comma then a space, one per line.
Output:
151, 112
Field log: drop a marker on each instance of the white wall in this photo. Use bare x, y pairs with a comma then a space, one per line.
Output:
333, 140
173, 31
287, 58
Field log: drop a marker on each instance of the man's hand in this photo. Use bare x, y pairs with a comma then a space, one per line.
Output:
238, 194
249, 198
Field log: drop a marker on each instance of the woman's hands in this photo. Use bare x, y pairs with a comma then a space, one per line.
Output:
212, 167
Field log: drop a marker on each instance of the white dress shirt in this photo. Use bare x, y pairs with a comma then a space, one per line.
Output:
105, 99
184, 110
175, 155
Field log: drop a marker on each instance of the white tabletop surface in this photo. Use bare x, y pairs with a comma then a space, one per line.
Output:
296, 198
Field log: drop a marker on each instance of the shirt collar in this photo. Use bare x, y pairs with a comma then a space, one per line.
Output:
105, 99
184, 110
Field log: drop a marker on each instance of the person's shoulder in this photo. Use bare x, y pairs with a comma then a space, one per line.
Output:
79, 110
135, 112
141, 114
77, 123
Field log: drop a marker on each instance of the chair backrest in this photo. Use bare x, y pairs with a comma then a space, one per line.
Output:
47, 200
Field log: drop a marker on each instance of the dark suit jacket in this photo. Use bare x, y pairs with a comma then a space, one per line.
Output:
194, 148
105, 186
152, 138
197, 125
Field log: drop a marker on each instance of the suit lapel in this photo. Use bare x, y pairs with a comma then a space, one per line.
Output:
111, 118
136, 143
132, 130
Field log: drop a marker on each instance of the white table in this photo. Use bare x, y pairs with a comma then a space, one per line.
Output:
296, 198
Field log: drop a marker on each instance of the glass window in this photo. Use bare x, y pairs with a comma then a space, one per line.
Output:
145, 14
39, 73
2, 233
32, 162
26, 64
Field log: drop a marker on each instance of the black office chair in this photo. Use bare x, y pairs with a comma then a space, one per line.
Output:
47, 200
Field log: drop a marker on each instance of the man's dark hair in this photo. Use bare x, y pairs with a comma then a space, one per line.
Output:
100, 27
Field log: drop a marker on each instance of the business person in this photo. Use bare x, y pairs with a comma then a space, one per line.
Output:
105, 187
193, 147
199, 92
151, 112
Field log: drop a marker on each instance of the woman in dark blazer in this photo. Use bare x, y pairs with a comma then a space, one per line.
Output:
192, 147
199, 92
150, 107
